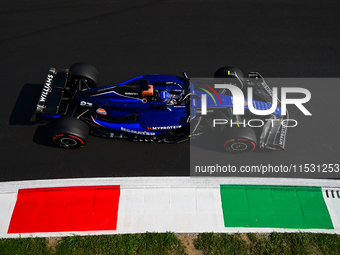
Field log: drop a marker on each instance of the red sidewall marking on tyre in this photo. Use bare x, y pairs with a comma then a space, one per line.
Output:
66, 136
77, 138
254, 146
228, 142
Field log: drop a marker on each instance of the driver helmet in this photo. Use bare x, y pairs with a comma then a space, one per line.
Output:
164, 96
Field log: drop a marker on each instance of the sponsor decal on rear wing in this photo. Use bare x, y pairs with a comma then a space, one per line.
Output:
46, 89
52, 91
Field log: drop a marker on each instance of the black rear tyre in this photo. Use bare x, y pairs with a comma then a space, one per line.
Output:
70, 133
85, 72
239, 140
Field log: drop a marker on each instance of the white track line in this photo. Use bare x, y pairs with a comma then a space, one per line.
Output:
333, 205
184, 182
7, 203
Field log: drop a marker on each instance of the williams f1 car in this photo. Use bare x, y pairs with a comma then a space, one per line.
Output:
155, 108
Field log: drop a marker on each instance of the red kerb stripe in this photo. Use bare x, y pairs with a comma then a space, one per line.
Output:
88, 208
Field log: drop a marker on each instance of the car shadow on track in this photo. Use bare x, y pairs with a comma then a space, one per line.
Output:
42, 135
23, 113
24, 108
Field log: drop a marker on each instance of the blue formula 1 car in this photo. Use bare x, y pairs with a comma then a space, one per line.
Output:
152, 108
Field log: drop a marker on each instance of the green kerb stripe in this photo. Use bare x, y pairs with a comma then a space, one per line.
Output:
274, 207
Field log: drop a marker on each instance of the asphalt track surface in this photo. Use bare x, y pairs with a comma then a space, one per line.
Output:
124, 39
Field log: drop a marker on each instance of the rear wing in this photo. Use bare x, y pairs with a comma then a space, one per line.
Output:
52, 95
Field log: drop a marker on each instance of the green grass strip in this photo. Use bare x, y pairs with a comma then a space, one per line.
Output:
148, 243
267, 244
29, 246
168, 243
158, 243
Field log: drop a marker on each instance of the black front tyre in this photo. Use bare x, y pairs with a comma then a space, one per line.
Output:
229, 75
239, 140
229, 72
70, 133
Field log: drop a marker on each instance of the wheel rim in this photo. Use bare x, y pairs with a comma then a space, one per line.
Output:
68, 141
239, 146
